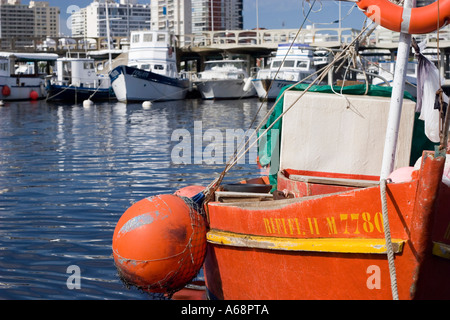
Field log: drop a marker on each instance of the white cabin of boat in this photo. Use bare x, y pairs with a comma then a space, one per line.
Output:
299, 61
27, 65
154, 51
78, 72
224, 69
23, 75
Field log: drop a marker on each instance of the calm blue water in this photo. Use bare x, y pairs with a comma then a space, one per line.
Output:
67, 174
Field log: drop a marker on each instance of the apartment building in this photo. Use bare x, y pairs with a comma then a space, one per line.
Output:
126, 16
16, 20
215, 15
46, 19
37, 19
174, 15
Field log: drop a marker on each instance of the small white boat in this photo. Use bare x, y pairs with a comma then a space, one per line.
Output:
151, 73
224, 79
299, 63
23, 75
77, 80
385, 72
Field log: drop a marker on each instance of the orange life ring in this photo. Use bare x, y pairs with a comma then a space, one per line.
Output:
407, 20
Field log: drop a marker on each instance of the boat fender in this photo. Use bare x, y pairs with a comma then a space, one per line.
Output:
189, 191
87, 103
6, 91
159, 243
403, 174
34, 95
247, 84
146, 104
407, 20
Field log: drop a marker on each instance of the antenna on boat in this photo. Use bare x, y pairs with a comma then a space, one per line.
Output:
108, 35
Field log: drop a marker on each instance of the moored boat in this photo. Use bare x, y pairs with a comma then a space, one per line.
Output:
23, 75
326, 239
292, 63
151, 73
353, 212
224, 79
77, 80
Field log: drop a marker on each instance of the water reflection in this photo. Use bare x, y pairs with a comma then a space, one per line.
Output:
67, 173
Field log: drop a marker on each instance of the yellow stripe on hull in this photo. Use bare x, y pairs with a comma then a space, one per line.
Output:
338, 245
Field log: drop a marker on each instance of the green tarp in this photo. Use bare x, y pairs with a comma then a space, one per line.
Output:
267, 147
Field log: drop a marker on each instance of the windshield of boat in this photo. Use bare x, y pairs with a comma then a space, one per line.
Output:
88, 66
214, 65
290, 64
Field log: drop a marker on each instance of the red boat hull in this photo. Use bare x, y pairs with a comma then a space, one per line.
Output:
328, 242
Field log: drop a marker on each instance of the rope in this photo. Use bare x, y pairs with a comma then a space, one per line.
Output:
387, 236
48, 98
213, 186
98, 88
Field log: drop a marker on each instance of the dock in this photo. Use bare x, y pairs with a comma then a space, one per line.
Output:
253, 43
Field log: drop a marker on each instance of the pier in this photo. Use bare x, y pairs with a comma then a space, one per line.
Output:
254, 43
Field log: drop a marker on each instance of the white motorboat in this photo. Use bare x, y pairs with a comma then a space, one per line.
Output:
151, 73
224, 79
23, 75
385, 73
299, 63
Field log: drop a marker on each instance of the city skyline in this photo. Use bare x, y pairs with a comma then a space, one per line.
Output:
271, 14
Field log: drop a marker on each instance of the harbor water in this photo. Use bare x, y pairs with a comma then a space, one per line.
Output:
68, 172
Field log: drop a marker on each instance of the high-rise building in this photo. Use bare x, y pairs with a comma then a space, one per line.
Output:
124, 17
215, 15
19, 22
46, 19
174, 15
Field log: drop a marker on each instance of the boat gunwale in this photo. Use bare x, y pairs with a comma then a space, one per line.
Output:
320, 245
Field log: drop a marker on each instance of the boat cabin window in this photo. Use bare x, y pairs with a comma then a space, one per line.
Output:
4, 66
133, 65
302, 64
136, 38
289, 64
161, 38
224, 64
286, 64
148, 37
88, 65
158, 67
145, 67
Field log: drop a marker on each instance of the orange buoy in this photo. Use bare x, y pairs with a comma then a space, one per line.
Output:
34, 95
6, 91
159, 244
189, 191
408, 20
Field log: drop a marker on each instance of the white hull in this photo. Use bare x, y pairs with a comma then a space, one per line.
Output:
224, 89
128, 87
24, 89
261, 87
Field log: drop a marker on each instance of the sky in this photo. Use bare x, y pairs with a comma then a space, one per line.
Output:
272, 14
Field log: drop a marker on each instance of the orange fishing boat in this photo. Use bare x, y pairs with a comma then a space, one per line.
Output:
355, 220
326, 240
352, 208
